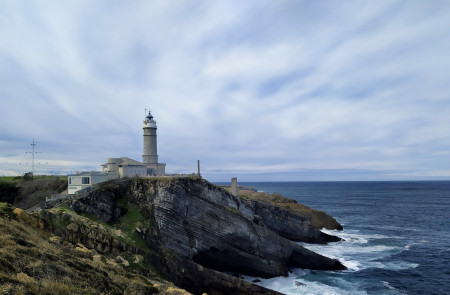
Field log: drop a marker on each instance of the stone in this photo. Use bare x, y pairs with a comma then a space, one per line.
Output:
138, 258
55, 239
72, 227
119, 259
299, 284
97, 258
24, 278
83, 250
118, 232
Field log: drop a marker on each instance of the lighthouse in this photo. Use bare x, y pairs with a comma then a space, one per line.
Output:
150, 155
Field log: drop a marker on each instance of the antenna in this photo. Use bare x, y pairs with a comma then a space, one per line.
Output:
33, 145
32, 159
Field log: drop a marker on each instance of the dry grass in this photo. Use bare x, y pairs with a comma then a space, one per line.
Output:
174, 291
30, 263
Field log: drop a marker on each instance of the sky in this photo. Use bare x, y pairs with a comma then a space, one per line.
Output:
261, 90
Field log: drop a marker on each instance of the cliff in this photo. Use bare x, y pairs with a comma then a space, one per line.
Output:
189, 231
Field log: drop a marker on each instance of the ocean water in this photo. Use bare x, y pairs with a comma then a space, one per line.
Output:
397, 237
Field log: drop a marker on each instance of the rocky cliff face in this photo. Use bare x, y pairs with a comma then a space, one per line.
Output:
193, 231
291, 224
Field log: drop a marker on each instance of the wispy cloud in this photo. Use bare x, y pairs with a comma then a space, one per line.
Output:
255, 86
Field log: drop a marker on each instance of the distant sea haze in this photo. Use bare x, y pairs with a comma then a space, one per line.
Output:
396, 237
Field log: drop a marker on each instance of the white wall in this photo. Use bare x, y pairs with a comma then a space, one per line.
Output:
132, 171
76, 183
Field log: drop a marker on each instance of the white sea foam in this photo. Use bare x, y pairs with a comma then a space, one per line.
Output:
357, 236
407, 247
293, 285
361, 251
386, 284
398, 265
357, 252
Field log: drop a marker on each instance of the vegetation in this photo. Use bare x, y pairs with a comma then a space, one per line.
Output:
9, 190
33, 261
128, 224
24, 192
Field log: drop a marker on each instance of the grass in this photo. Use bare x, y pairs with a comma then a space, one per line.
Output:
32, 264
7, 178
5, 209
36, 177
128, 225
94, 219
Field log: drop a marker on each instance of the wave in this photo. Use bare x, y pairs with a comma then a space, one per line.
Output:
295, 284
360, 251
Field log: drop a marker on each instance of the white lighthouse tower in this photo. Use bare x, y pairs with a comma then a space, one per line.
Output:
150, 155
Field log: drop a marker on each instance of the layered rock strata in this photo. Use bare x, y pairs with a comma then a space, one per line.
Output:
204, 223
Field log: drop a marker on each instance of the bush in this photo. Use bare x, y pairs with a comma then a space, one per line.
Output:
8, 191
28, 176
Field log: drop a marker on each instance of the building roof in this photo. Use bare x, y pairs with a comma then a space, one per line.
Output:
125, 161
130, 162
88, 173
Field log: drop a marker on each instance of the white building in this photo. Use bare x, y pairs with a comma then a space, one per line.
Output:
84, 180
124, 167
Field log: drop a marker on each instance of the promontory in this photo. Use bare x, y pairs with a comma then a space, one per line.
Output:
193, 233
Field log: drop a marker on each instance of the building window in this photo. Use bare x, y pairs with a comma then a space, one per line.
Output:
70, 180
85, 180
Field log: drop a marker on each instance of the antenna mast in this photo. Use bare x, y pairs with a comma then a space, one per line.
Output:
32, 159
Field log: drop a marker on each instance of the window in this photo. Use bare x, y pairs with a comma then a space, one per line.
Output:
85, 180
70, 180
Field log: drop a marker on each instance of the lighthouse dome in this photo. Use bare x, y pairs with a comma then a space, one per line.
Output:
149, 122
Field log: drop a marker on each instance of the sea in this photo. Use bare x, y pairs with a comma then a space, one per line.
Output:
396, 237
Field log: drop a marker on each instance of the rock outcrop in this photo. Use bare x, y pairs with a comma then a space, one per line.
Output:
291, 224
202, 222
290, 219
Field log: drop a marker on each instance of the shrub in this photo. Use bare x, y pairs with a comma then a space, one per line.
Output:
28, 176
8, 191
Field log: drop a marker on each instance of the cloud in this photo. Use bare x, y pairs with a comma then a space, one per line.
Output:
255, 86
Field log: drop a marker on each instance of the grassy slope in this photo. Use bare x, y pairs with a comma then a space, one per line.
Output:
34, 262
